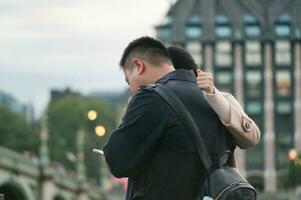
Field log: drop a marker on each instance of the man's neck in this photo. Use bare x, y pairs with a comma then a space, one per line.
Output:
160, 72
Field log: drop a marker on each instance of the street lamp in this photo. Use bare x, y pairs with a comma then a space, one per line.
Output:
292, 154
92, 115
100, 131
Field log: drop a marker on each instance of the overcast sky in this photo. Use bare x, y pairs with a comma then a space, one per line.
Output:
48, 44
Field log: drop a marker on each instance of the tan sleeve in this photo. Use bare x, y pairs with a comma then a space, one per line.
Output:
243, 129
220, 105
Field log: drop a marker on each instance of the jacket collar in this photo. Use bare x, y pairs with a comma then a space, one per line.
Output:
179, 74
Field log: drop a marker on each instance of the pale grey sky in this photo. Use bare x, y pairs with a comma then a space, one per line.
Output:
77, 43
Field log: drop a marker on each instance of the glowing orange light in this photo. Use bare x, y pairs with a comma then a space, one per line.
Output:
92, 115
292, 154
100, 131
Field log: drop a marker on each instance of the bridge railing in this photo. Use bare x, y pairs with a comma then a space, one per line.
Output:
66, 181
18, 163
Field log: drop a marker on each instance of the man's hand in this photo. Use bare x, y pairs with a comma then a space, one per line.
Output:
205, 82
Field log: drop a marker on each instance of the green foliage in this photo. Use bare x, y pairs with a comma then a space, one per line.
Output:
65, 117
69, 114
284, 178
15, 133
295, 171
291, 176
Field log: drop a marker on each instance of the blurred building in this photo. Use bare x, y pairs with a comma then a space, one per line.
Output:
253, 47
60, 94
111, 96
25, 110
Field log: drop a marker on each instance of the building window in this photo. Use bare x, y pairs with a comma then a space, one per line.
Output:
283, 82
253, 83
224, 78
255, 156
193, 27
195, 49
253, 31
282, 26
284, 18
223, 54
254, 77
298, 33
221, 19
223, 28
223, 31
254, 107
282, 52
285, 139
164, 32
249, 19
253, 53
193, 32
252, 28
282, 30
194, 20
284, 107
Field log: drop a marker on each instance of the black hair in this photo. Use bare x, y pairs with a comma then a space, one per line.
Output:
150, 49
181, 58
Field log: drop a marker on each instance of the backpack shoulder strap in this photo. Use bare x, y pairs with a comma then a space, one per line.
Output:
189, 123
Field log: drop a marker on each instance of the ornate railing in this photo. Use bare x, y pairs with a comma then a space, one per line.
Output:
18, 163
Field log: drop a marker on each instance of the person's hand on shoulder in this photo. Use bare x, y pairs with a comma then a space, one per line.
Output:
205, 81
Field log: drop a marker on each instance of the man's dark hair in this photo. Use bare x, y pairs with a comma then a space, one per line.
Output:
147, 48
181, 58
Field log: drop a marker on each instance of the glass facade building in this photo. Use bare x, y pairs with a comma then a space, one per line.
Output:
253, 48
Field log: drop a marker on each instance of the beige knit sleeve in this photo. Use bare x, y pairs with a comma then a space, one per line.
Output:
243, 129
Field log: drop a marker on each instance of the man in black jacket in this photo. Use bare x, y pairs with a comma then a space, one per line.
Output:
151, 145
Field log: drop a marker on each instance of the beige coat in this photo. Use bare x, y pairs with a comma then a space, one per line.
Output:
244, 130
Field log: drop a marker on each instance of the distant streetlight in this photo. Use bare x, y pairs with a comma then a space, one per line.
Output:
292, 154
100, 131
92, 115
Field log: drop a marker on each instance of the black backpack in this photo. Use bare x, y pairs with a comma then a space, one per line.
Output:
222, 182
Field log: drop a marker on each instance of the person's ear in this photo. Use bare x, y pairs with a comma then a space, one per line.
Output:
140, 65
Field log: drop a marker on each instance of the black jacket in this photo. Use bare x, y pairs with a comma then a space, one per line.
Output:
152, 148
